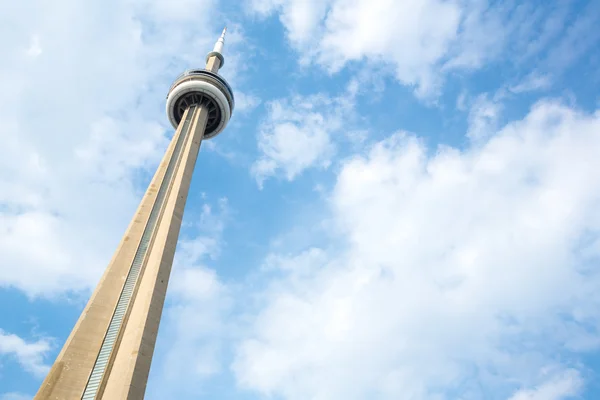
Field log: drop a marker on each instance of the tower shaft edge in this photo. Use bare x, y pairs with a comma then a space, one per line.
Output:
108, 354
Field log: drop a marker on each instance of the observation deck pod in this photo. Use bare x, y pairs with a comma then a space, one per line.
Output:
201, 87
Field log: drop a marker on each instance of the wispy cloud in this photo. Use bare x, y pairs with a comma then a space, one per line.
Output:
81, 127
461, 272
423, 41
196, 325
483, 118
532, 82
296, 136
15, 396
561, 385
30, 355
300, 133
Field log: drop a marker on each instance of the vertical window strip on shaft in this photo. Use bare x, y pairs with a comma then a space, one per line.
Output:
116, 322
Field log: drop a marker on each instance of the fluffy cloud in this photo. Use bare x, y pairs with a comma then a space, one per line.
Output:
297, 134
191, 347
483, 117
421, 41
563, 385
201, 304
30, 355
15, 396
464, 273
246, 102
411, 35
533, 81
82, 122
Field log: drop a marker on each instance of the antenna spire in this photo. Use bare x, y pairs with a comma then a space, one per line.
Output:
218, 53
220, 42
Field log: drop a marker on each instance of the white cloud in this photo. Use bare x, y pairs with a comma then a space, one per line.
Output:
461, 101
297, 135
30, 355
15, 396
195, 326
298, 265
577, 39
246, 102
411, 35
422, 41
533, 81
561, 386
34, 49
301, 18
465, 272
483, 117
82, 125
186, 11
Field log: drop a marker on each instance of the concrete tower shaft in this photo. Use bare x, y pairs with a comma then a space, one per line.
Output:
109, 351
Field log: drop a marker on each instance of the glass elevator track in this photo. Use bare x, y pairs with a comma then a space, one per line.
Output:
116, 322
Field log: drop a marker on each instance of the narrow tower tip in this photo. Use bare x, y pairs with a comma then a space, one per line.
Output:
220, 42
217, 52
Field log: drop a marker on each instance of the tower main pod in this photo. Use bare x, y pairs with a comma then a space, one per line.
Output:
108, 354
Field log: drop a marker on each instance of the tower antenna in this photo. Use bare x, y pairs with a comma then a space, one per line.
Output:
217, 51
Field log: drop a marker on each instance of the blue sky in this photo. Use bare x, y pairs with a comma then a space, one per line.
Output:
405, 203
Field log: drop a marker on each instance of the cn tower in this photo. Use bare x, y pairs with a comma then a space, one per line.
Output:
108, 353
